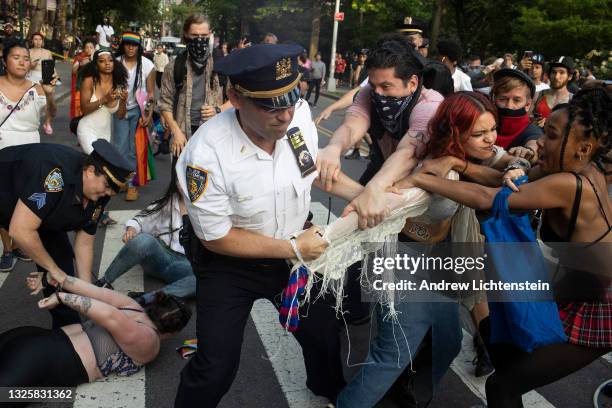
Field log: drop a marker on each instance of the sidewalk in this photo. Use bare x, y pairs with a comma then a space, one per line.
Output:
64, 71
336, 94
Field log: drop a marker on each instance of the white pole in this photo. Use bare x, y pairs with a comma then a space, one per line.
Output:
331, 83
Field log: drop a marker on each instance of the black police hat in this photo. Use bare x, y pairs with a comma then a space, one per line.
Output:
505, 72
267, 73
112, 164
407, 26
565, 62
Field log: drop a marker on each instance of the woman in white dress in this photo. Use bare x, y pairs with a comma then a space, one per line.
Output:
21, 100
21, 104
103, 93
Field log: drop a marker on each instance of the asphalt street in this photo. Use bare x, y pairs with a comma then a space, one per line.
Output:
263, 380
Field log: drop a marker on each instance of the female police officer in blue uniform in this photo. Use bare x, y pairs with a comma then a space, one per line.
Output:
49, 189
246, 176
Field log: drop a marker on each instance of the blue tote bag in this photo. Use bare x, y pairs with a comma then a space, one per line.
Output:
527, 325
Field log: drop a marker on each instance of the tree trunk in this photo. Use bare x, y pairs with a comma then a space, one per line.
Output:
316, 27
38, 19
76, 9
60, 24
439, 7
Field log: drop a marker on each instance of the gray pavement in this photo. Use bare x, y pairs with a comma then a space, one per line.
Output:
257, 381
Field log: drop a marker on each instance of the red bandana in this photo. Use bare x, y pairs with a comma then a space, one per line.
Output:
510, 128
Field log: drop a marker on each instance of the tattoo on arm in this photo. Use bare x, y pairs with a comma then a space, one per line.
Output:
70, 280
81, 304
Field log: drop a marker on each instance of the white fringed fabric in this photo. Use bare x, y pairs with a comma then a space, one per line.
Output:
349, 244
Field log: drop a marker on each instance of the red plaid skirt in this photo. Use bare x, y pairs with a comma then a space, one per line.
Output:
588, 323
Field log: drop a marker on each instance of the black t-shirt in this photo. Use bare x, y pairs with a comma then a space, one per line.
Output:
48, 179
531, 132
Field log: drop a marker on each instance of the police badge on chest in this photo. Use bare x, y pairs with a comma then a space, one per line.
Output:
300, 151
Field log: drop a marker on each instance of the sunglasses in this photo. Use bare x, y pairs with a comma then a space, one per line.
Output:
274, 111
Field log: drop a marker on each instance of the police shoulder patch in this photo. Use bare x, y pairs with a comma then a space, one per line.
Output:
197, 181
54, 182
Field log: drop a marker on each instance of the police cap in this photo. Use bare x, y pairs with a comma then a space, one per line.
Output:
267, 73
111, 163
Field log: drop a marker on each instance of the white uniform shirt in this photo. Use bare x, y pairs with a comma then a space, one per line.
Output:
240, 185
158, 224
461, 81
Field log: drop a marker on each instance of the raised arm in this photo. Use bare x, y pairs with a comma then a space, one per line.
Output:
352, 130
553, 191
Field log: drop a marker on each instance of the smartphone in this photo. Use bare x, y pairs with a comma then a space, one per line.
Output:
528, 54
48, 69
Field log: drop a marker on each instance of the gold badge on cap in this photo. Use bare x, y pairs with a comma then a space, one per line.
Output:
283, 68
54, 182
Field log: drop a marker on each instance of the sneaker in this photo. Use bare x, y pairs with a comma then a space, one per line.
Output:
7, 262
18, 253
482, 361
132, 194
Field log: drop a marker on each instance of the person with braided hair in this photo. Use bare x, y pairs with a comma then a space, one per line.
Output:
569, 184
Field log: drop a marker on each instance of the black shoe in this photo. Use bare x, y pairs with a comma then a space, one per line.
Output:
18, 253
402, 393
102, 283
482, 361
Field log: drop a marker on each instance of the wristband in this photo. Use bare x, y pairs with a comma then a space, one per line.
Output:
217, 109
467, 163
519, 163
296, 250
59, 299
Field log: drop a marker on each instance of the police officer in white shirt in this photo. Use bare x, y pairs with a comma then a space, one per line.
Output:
246, 177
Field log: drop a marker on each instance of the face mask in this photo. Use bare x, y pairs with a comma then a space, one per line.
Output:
513, 113
198, 49
389, 109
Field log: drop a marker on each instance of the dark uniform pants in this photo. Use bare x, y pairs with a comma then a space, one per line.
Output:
59, 248
226, 290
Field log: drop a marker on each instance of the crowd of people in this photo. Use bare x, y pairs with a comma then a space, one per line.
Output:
238, 124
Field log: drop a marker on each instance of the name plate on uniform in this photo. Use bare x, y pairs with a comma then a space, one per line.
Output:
300, 151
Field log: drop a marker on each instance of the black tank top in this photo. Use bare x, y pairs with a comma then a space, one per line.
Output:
547, 233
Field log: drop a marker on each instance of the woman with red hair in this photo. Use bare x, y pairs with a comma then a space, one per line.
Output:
462, 138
